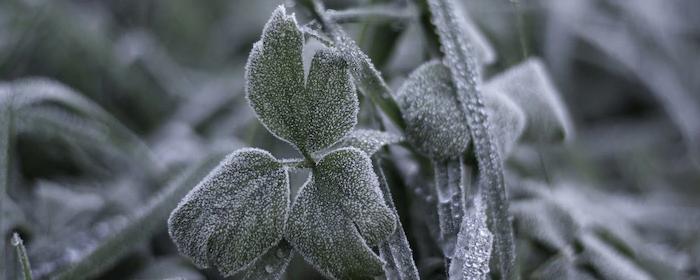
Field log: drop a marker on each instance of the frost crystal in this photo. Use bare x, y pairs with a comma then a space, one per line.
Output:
311, 115
235, 214
368, 140
529, 85
338, 214
435, 125
471, 258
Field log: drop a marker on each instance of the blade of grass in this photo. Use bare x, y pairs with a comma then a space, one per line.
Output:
460, 59
22, 256
396, 251
143, 224
6, 127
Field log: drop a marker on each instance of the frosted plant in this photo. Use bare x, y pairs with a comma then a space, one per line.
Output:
236, 218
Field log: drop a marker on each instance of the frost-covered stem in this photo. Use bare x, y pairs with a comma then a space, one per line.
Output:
461, 60
22, 256
450, 206
377, 13
396, 251
297, 163
142, 224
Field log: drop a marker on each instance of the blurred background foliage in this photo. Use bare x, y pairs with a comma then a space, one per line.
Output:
163, 89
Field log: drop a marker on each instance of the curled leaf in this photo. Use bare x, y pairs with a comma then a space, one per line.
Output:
508, 120
368, 140
311, 113
235, 214
338, 214
435, 125
529, 85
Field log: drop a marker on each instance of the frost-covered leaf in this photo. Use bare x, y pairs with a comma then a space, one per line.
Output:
235, 214
338, 214
142, 224
530, 87
545, 222
311, 113
461, 61
369, 80
473, 250
368, 140
435, 125
271, 265
608, 262
508, 121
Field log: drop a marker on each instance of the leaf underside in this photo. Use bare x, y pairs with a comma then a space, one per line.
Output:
235, 214
338, 214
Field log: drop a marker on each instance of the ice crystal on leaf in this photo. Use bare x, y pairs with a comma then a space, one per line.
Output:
311, 113
235, 214
338, 214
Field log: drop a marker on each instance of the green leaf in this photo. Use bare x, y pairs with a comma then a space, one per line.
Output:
435, 125
311, 114
143, 223
338, 214
50, 107
235, 214
368, 140
369, 80
528, 84
546, 222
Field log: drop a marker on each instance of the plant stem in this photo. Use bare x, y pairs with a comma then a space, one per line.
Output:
396, 251
22, 256
297, 163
